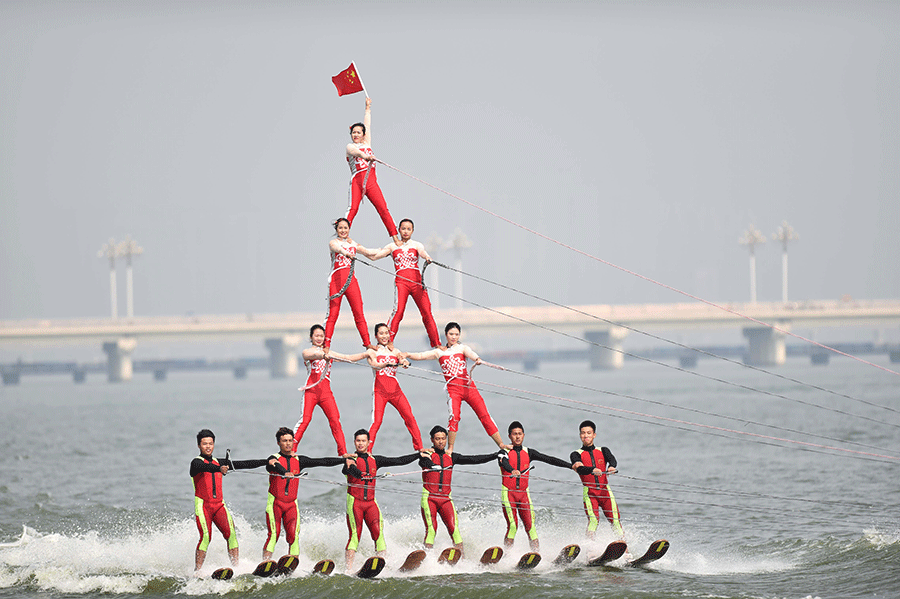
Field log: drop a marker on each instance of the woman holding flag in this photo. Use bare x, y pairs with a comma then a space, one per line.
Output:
363, 180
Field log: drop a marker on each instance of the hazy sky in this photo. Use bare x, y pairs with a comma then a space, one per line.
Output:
649, 134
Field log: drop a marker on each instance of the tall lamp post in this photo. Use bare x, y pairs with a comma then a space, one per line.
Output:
785, 234
110, 252
752, 238
129, 248
459, 242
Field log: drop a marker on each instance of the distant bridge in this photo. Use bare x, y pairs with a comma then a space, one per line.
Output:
605, 326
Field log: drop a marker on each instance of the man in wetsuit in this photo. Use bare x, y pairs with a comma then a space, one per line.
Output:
284, 468
209, 506
592, 465
436, 476
514, 466
362, 508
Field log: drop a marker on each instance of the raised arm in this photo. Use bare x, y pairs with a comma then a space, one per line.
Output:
367, 121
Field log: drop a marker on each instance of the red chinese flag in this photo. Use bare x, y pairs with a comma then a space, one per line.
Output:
347, 81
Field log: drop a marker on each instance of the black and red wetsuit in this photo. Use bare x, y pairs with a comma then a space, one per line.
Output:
436, 501
209, 504
361, 505
282, 501
514, 493
596, 494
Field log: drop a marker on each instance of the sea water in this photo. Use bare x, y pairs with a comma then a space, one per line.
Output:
96, 501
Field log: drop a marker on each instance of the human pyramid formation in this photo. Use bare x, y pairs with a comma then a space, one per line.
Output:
592, 464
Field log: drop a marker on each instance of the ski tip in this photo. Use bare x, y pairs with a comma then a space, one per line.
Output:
491, 555
223, 574
372, 568
287, 564
450, 555
567, 554
266, 568
528, 561
657, 550
326, 567
413, 560
614, 551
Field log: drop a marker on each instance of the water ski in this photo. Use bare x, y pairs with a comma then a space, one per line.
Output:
326, 567
614, 551
287, 564
657, 550
491, 555
223, 574
413, 561
529, 561
567, 555
450, 555
266, 568
372, 568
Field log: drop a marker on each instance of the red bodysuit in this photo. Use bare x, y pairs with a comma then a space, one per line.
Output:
362, 172
386, 390
339, 273
460, 388
318, 392
408, 280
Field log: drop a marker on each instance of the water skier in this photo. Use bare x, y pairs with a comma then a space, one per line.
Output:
436, 478
408, 280
363, 181
386, 389
362, 508
317, 391
281, 507
593, 465
460, 387
516, 497
343, 252
209, 504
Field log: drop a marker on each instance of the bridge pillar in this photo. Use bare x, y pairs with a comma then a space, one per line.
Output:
160, 374
283, 356
11, 377
895, 355
609, 356
240, 372
687, 359
118, 359
766, 346
79, 375
819, 357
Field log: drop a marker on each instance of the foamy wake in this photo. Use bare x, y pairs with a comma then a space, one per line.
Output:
103, 563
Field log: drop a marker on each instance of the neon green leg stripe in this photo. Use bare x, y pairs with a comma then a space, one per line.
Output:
430, 531
380, 545
532, 534
593, 522
232, 538
351, 522
456, 536
510, 514
294, 548
204, 536
616, 524
270, 520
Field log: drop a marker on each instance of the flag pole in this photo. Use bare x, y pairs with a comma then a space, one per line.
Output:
360, 79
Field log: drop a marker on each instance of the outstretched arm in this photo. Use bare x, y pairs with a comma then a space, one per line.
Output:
383, 252
367, 121
547, 459
425, 355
